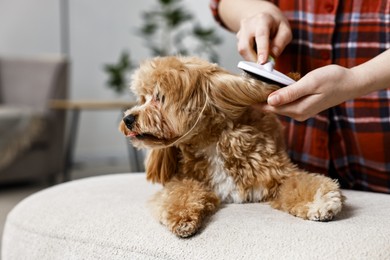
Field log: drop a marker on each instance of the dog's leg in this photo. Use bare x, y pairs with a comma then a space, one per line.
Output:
183, 205
309, 196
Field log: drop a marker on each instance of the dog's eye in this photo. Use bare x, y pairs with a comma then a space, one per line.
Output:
159, 98
142, 99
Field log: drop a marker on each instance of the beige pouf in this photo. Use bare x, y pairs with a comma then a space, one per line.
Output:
107, 218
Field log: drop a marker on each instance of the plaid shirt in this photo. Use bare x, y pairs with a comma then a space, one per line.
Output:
351, 141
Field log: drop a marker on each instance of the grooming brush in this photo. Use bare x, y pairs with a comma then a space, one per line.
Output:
266, 72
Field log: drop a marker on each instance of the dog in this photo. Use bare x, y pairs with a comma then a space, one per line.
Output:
208, 145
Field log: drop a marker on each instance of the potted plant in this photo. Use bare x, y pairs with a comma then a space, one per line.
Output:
167, 29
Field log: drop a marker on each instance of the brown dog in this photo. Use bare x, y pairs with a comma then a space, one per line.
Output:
208, 145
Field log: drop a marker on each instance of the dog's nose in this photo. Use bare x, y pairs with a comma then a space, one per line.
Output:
129, 121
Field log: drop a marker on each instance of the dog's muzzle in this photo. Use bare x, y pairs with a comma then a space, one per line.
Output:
129, 121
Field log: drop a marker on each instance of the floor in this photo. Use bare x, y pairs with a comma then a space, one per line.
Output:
11, 195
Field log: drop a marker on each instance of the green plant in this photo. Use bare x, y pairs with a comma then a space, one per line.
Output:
168, 29
117, 73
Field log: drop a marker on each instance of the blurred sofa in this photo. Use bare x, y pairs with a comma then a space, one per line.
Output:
31, 133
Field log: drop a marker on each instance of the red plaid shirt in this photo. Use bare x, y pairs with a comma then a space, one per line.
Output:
350, 142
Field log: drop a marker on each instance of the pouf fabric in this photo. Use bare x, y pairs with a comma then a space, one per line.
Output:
107, 217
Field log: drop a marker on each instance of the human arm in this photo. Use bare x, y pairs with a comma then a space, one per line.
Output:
257, 23
329, 86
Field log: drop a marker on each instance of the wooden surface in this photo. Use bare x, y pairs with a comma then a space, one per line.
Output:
90, 104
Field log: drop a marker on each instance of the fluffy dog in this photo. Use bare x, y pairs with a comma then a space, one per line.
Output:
209, 146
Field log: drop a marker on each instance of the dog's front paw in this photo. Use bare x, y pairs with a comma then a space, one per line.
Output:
325, 206
183, 205
185, 228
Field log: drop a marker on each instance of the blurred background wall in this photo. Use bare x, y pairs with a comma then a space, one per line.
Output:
92, 33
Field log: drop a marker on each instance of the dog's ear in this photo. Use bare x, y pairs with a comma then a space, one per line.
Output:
233, 94
161, 164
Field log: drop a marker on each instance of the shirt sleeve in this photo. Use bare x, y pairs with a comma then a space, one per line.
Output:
214, 5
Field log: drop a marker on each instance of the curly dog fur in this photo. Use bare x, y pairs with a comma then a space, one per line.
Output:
209, 146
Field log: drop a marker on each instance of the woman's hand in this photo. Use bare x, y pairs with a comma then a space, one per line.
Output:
261, 28
318, 90
264, 34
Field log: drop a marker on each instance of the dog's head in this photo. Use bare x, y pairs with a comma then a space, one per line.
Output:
170, 95
183, 99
